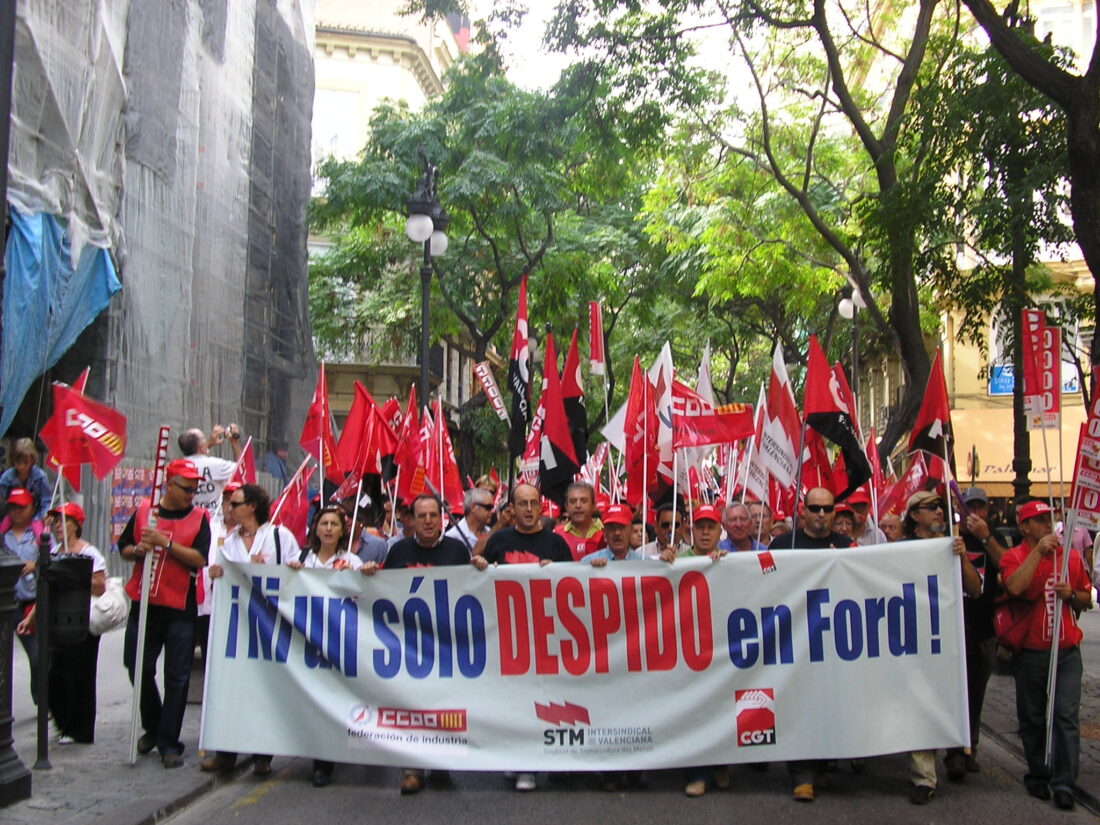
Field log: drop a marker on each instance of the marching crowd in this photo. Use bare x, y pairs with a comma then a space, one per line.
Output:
193, 539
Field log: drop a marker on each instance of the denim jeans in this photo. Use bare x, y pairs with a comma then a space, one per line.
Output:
1030, 668
176, 637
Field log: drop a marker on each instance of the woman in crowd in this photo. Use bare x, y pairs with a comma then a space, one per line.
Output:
258, 541
328, 549
25, 472
72, 693
21, 531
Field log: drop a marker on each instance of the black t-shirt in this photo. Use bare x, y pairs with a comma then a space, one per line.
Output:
978, 613
407, 553
803, 541
201, 543
509, 546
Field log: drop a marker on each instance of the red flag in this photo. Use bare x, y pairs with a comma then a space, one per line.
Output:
245, 471
316, 438
71, 472
829, 410
392, 415
573, 401
529, 462
519, 377
640, 437
817, 470
291, 508
441, 469
350, 450
878, 483
83, 431
696, 422
557, 458
915, 478
410, 482
932, 430
501, 493
780, 433
597, 358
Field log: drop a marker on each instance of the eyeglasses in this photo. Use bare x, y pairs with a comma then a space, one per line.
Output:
482, 504
528, 504
820, 508
185, 489
667, 525
929, 507
236, 504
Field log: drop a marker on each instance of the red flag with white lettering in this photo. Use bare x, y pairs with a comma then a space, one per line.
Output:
640, 436
83, 431
316, 438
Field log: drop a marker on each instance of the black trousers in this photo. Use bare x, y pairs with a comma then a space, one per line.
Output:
73, 688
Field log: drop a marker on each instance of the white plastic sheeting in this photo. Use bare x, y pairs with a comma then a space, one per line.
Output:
176, 133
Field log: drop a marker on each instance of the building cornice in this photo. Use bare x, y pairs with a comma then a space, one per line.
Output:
360, 43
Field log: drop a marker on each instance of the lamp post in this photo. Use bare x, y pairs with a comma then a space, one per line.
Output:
426, 224
849, 307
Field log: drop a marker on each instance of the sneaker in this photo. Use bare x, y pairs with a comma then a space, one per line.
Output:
65, 739
921, 794
146, 743
172, 760
696, 788
525, 782
1063, 800
804, 792
956, 766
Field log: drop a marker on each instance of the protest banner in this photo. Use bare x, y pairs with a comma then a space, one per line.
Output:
815, 654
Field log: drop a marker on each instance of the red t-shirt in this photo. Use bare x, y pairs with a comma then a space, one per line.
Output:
1041, 586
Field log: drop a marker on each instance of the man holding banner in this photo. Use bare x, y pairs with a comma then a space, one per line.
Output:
1029, 573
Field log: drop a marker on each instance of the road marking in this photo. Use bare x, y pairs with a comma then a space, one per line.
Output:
258, 794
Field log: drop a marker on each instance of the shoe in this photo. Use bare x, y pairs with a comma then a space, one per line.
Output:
956, 766
217, 764
921, 794
411, 783
525, 781
172, 760
722, 778
1063, 800
65, 739
146, 743
696, 788
1039, 791
261, 765
972, 765
804, 792
322, 778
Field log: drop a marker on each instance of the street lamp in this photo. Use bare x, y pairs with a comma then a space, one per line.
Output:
849, 307
426, 224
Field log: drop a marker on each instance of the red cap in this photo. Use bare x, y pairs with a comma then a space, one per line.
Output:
231, 486
859, 496
183, 468
844, 508
706, 512
20, 497
617, 514
71, 509
603, 501
1028, 510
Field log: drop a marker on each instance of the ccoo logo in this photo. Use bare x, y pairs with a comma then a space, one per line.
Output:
755, 710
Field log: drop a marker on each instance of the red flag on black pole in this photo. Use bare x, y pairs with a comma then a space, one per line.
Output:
932, 429
557, 459
828, 409
519, 378
573, 401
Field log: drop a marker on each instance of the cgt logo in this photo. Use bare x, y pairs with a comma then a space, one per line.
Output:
564, 714
755, 710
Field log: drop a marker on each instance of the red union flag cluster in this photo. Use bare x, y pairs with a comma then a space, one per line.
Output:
83, 431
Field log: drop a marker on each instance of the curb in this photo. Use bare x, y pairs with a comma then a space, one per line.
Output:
154, 811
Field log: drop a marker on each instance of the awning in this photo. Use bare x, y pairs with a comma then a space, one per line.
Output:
990, 431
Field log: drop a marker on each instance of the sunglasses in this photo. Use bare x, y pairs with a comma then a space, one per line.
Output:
185, 489
820, 508
929, 507
236, 504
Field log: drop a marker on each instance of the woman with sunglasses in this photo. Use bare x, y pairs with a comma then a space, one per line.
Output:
256, 540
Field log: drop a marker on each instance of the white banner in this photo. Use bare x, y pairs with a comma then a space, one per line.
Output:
756, 658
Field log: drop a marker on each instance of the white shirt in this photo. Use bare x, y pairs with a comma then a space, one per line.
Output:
263, 544
349, 561
98, 562
215, 473
465, 534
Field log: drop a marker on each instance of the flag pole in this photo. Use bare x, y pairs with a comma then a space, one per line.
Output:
798, 483
240, 461
645, 449
947, 497
293, 479
355, 514
146, 586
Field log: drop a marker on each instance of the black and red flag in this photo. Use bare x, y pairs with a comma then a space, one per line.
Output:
828, 409
519, 378
573, 400
932, 429
557, 458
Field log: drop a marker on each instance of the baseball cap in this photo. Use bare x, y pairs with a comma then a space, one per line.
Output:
706, 512
975, 494
858, 496
231, 486
922, 497
843, 507
20, 497
617, 514
71, 509
603, 501
1031, 509
183, 468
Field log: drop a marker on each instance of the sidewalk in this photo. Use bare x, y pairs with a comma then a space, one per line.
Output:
94, 784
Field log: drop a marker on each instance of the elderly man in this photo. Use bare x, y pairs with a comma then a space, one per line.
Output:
473, 529
525, 543
739, 527
816, 533
582, 531
214, 472
616, 529
890, 524
1031, 571
760, 514
178, 539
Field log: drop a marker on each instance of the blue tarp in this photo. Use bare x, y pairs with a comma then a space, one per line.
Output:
47, 303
